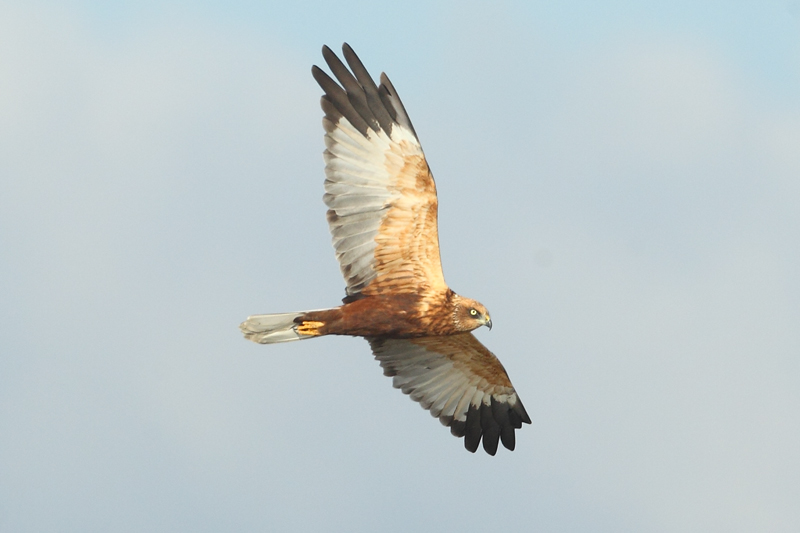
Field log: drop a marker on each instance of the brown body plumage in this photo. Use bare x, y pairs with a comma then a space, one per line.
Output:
383, 218
403, 315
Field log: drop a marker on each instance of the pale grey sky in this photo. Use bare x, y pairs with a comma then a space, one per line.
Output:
619, 184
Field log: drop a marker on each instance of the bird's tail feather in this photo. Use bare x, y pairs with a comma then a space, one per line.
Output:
280, 327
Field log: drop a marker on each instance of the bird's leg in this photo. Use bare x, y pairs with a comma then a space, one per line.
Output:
309, 327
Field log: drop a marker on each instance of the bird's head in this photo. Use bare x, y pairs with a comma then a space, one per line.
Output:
470, 314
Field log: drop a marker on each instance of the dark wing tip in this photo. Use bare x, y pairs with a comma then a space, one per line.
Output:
391, 100
327, 52
491, 429
457, 428
500, 413
356, 97
490, 424
374, 104
472, 429
338, 98
523, 414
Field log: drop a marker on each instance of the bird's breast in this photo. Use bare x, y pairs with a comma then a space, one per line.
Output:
399, 316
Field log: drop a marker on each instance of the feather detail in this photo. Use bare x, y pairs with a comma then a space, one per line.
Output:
378, 179
460, 382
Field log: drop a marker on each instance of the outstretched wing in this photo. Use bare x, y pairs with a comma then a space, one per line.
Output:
379, 189
460, 382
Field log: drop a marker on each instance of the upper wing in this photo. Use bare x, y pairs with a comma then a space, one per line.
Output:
380, 191
460, 382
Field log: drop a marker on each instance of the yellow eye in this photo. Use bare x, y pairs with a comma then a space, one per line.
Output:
473, 312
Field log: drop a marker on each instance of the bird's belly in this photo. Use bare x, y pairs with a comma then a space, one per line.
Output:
398, 317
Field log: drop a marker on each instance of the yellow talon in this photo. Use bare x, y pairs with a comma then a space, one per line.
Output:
309, 327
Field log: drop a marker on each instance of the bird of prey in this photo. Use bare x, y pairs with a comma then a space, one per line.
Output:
382, 213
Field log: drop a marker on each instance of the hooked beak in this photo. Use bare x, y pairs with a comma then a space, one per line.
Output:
488, 323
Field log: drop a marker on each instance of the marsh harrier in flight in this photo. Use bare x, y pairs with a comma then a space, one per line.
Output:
382, 212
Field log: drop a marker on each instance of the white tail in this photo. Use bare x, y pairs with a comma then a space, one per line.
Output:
269, 329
